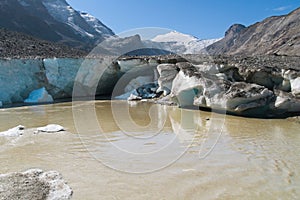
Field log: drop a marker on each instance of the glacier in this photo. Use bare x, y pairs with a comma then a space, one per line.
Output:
57, 77
241, 91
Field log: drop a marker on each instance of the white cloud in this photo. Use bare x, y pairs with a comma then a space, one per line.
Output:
282, 8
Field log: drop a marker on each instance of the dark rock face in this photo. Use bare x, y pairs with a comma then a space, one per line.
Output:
273, 36
48, 20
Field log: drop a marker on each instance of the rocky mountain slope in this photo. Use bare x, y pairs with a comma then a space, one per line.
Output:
277, 35
18, 45
52, 20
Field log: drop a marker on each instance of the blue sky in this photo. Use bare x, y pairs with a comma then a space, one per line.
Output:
202, 18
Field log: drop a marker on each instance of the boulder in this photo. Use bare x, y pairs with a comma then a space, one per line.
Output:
39, 96
34, 184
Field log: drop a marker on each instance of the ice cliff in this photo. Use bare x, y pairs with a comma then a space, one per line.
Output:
243, 87
20, 77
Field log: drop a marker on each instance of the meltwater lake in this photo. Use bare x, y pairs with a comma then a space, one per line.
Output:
140, 150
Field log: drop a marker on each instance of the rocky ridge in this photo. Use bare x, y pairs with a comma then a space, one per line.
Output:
277, 35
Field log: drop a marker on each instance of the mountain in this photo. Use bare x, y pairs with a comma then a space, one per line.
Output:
181, 43
52, 20
169, 43
277, 35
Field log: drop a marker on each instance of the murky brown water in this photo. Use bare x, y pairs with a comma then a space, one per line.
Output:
156, 152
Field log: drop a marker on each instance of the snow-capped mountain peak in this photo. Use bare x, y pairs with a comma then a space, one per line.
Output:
54, 20
181, 43
174, 36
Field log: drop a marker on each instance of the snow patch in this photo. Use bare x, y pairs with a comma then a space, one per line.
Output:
96, 24
63, 12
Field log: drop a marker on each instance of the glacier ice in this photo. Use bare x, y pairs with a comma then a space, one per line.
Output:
39, 96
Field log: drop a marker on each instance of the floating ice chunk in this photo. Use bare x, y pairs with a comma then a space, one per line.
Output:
134, 97
51, 128
39, 96
13, 132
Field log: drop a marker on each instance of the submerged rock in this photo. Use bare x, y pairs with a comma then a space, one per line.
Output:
34, 184
13, 132
39, 96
